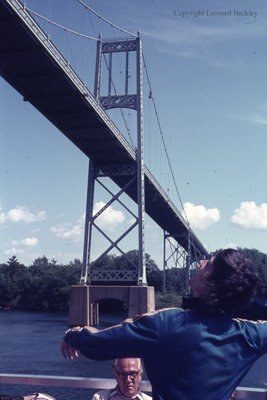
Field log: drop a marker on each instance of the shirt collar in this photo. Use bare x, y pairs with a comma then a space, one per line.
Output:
116, 391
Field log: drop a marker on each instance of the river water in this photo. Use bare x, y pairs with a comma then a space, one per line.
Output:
30, 344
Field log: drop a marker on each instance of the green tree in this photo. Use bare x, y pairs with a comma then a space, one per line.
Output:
47, 285
130, 261
259, 260
155, 278
14, 282
107, 262
51, 284
176, 280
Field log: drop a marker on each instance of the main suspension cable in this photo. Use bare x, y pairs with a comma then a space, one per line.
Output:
61, 26
189, 237
87, 37
163, 141
104, 19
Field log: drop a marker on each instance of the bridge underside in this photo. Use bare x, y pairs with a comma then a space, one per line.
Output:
34, 67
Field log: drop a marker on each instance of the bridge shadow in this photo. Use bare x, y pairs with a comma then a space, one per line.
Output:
111, 305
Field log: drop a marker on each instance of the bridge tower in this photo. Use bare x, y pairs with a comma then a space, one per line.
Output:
179, 252
140, 296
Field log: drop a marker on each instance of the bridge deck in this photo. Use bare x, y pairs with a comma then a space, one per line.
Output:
37, 70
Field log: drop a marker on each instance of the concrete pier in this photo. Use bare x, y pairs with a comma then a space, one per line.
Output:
84, 301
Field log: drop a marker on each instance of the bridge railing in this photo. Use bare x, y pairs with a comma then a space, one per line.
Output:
113, 275
100, 383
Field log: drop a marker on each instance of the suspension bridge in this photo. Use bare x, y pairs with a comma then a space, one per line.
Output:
32, 64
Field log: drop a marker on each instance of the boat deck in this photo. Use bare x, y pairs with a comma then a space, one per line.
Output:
100, 383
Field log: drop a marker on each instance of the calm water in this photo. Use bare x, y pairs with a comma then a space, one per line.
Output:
30, 344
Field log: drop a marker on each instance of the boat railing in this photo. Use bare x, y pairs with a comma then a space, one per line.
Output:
101, 383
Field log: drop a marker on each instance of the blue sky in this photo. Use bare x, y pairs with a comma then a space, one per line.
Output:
207, 66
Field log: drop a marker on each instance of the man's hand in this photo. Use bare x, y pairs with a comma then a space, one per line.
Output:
67, 351
30, 397
39, 396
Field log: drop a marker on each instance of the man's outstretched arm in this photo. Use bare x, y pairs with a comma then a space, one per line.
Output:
135, 337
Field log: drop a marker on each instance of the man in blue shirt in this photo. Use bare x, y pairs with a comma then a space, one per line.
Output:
195, 354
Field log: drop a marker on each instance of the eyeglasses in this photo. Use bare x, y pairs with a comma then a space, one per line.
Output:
124, 375
203, 257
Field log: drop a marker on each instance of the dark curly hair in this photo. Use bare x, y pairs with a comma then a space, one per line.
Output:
231, 284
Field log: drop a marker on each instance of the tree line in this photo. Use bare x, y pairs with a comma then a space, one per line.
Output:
46, 285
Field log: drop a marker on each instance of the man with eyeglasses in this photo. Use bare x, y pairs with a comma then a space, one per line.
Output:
199, 353
128, 373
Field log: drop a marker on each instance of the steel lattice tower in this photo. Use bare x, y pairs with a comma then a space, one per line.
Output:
130, 101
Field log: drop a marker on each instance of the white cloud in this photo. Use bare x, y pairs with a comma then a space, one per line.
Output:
231, 245
199, 217
259, 119
186, 38
81, 220
250, 216
68, 231
22, 213
13, 251
110, 218
2, 217
72, 232
192, 34
18, 247
29, 242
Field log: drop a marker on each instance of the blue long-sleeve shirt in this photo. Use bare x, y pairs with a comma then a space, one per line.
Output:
188, 355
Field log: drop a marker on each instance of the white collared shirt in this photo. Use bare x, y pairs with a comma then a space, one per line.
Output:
115, 394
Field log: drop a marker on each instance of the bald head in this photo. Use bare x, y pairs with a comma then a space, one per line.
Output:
121, 362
